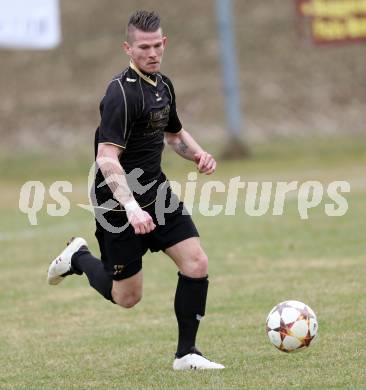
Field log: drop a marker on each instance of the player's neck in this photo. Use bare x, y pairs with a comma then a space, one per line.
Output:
148, 77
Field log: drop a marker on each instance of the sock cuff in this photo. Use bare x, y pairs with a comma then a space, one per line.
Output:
192, 280
80, 252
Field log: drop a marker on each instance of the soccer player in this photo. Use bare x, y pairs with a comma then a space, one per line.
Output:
138, 112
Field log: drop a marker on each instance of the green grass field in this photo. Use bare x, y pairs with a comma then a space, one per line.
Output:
69, 337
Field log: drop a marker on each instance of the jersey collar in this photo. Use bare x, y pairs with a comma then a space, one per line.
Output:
143, 76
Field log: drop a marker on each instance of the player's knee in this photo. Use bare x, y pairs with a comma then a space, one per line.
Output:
199, 265
127, 300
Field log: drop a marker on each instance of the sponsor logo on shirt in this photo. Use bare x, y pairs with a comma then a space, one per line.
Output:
158, 121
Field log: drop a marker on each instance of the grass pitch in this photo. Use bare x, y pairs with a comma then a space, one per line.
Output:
69, 337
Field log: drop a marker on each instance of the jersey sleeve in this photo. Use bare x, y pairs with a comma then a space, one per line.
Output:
174, 125
114, 124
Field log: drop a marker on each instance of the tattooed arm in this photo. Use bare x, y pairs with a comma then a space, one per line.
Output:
184, 144
115, 177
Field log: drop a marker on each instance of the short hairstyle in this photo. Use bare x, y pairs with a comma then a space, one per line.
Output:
144, 21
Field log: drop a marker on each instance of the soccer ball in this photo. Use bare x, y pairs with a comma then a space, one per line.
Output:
291, 326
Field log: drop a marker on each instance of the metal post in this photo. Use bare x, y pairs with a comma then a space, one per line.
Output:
229, 72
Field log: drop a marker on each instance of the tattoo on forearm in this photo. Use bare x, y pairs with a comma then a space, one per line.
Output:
182, 147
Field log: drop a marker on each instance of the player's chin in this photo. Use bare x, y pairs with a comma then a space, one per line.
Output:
153, 67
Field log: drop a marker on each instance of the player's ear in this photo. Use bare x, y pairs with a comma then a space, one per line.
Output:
127, 48
165, 41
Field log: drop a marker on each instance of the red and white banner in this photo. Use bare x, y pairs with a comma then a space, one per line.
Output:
334, 21
29, 24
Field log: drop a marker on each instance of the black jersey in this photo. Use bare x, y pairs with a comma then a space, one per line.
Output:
135, 112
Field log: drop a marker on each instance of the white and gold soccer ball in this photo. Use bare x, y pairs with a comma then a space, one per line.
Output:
291, 326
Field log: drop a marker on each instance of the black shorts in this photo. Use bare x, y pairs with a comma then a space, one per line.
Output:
122, 252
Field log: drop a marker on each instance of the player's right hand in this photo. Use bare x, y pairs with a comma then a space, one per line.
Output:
141, 221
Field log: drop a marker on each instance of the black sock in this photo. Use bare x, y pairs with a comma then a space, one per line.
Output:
84, 261
189, 305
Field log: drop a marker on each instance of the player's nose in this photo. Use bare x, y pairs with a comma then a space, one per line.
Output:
152, 53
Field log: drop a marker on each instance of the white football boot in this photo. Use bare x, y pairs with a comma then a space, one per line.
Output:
194, 361
62, 264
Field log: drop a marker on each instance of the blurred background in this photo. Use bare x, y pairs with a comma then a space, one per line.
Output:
289, 87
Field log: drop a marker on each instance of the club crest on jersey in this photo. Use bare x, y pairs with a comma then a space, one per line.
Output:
158, 98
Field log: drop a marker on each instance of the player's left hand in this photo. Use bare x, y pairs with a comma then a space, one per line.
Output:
205, 162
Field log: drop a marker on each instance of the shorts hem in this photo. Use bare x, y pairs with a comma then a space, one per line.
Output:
118, 278
177, 241
129, 270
